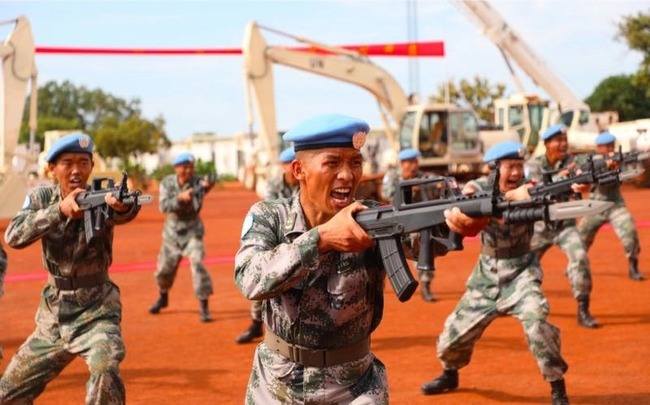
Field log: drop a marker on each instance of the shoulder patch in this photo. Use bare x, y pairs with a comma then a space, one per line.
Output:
27, 202
246, 226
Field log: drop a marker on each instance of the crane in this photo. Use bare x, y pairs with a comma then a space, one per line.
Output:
19, 70
446, 135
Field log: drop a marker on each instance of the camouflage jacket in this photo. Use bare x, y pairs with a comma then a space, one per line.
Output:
277, 187
501, 236
394, 176
313, 299
65, 250
182, 217
539, 165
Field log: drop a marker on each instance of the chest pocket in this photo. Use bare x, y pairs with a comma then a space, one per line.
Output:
348, 283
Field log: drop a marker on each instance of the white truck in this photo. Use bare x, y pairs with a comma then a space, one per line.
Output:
447, 135
18, 71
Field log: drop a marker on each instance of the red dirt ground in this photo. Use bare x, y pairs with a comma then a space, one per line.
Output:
172, 358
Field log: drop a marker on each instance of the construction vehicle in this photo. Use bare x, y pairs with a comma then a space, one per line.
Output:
568, 108
447, 135
538, 114
18, 70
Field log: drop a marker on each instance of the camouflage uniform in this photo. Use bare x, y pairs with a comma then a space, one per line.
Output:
562, 233
276, 188
388, 190
618, 216
313, 300
510, 285
83, 321
182, 236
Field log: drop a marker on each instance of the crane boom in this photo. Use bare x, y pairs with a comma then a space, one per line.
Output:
514, 47
19, 69
337, 63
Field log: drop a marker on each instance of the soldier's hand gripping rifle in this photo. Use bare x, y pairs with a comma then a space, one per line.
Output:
201, 186
97, 211
388, 224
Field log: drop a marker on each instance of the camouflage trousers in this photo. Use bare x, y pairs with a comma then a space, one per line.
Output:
568, 239
256, 310
522, 299
622, 222
169, 258
85, 322
277, 380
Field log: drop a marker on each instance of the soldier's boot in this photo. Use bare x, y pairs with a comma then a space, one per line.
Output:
584, 317
425, 290
253, 331
162, 302
447, 381
204, 312
558, 393
634, 270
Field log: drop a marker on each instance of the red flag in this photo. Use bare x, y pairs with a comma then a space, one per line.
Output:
414, 49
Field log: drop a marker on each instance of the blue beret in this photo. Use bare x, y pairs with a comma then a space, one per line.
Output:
553, 130
408, 154
328, 131
605, 138
183, 158
287, 155
72, 143
505, 150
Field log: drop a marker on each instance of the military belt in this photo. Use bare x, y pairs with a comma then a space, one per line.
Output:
317, 358
506, 252
73, 283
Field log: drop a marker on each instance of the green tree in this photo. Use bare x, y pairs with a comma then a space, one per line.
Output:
622, 94
634, 30
115, 124
478, 94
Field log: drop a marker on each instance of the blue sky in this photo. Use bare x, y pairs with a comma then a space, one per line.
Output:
206, 93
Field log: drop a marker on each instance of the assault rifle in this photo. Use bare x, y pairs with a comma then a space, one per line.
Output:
388, 224
198, 190
595, 172
97, 211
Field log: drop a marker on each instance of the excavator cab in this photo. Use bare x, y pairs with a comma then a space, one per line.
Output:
442, 134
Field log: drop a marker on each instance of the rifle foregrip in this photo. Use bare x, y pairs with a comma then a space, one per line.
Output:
397, 270
524, 215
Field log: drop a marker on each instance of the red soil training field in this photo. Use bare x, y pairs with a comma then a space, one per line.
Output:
172, 358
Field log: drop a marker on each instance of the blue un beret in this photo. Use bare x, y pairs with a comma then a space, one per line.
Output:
554, 130
72, 143
505, 150
605, 138
183, 158
287, 155
408, 154
328, 131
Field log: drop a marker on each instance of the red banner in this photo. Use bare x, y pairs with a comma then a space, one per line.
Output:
415, 49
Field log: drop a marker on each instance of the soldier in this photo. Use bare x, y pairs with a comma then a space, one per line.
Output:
618, 216
319, 275
3, 271
505, 281
283, 186
409, 168
181, 198
80, 308
563, 233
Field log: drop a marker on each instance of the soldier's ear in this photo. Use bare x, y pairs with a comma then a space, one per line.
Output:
297, 169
